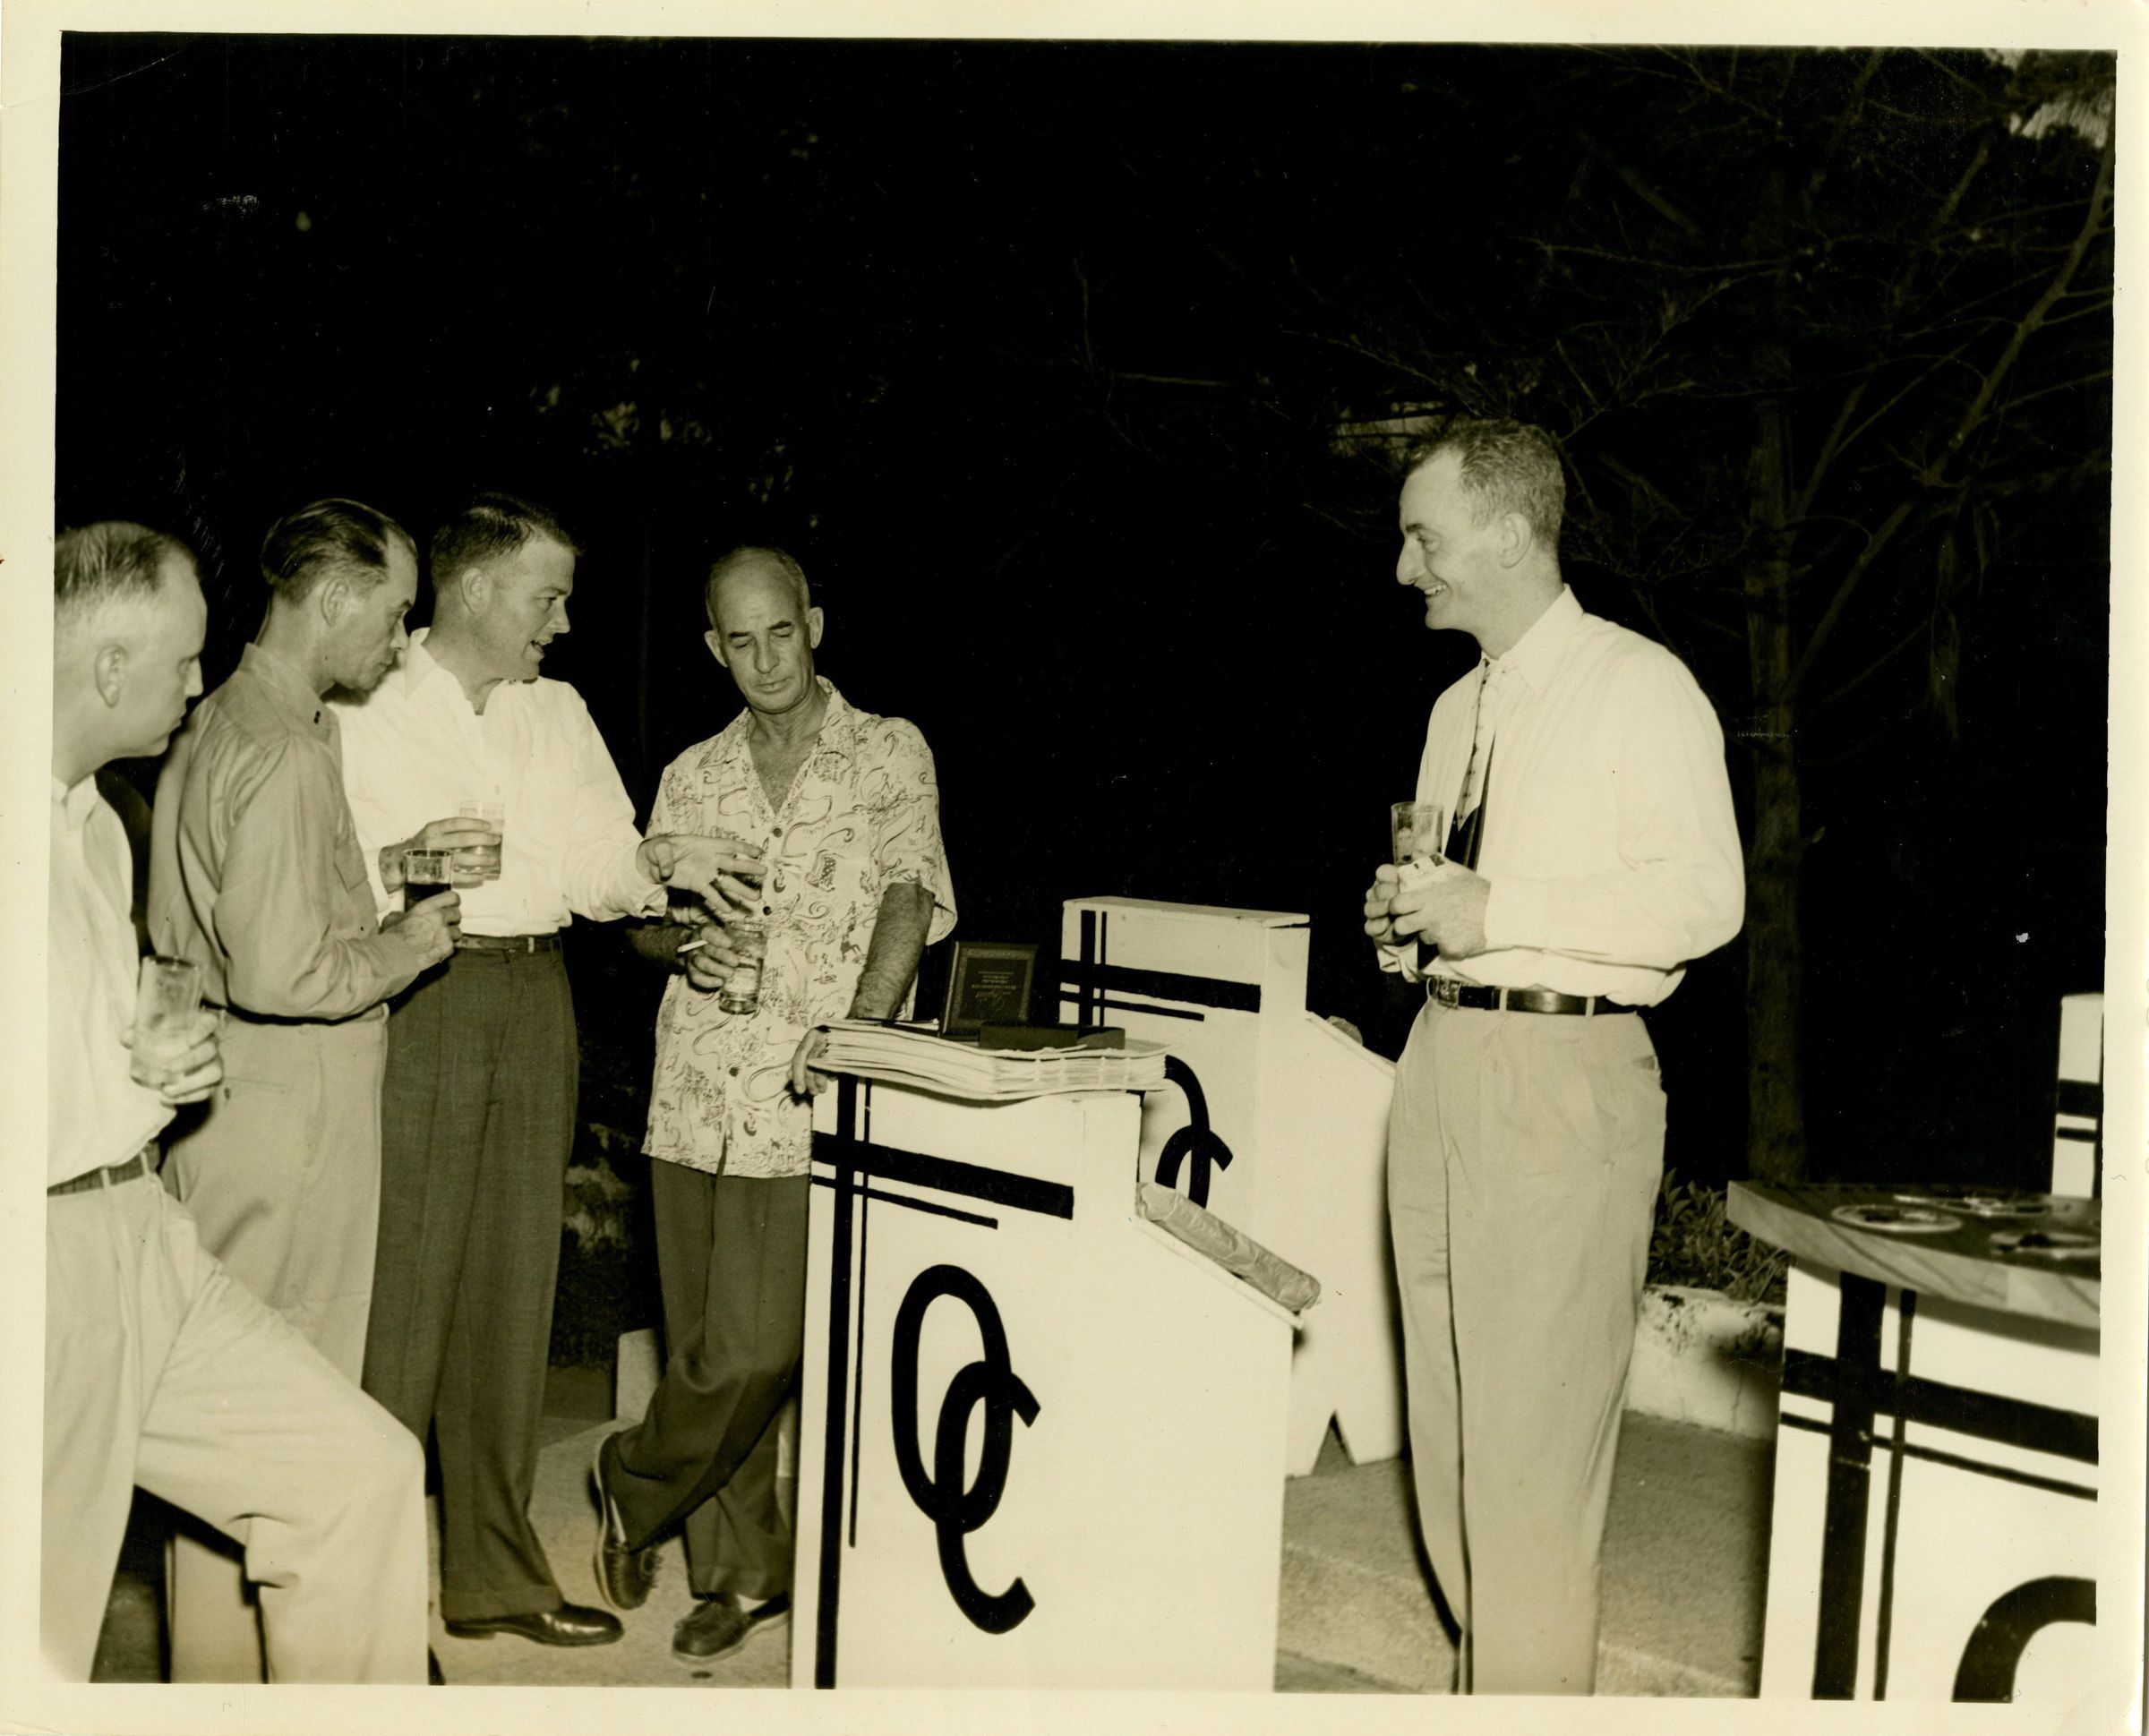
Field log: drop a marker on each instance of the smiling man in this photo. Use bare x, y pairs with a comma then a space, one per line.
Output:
255, 874
1594, 854
478, 1110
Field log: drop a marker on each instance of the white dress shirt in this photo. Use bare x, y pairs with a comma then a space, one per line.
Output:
415, 749
1609, 842
96, 1113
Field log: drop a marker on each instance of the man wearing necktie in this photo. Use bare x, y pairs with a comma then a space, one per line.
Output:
1594, 854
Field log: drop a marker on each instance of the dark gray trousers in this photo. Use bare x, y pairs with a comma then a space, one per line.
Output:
477, 1120
732, 1259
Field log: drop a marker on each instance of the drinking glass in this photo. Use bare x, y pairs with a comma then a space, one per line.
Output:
1417, 834
425, 872
480, 862
165, 1005
742, 992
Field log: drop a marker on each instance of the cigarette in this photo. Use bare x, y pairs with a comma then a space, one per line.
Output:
692, 945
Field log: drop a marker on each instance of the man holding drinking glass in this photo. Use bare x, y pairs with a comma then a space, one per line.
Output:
255, 876
160, 1368
1594, 853
846, 811
467, 748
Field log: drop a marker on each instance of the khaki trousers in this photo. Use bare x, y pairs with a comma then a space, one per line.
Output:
282, 1178
160, 1371
1524, 1155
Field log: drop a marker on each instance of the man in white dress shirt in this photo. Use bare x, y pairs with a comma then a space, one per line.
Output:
478, 1106
160, 1368
1594, 854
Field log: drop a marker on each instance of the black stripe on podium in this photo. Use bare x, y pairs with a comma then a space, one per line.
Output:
2078, 1097
1094, 977
858, 1158
1984, 1415
832, 1444
1849, 1488
1954, 1461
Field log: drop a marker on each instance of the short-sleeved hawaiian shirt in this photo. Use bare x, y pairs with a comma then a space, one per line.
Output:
862, 815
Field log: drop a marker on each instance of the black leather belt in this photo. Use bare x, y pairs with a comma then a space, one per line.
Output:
507, 942
1480, 999
142, 1163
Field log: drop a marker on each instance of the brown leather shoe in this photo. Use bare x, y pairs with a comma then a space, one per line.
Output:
625, 1571
571, 1624
718, 1626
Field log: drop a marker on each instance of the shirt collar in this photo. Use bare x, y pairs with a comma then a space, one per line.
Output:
74, 801
287, 686
839, 725
1535, 655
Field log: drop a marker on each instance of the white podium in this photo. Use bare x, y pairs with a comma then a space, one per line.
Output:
2078, 1101
1041, 1441
1934, 1532
1277, 1122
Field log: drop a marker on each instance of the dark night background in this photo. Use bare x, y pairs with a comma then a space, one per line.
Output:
1009, 343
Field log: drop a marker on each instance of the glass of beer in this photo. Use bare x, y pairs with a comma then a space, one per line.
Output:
480, 862
742, 992
165, 1005
1417, 834
427, 872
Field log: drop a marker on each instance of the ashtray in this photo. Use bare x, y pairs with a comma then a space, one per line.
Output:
1896, 1220
2046, 1244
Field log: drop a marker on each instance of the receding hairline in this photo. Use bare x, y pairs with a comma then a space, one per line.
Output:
487, 559
773, 564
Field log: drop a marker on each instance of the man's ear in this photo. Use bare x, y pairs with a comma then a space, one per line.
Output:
813, 628
108, 670
332, 597
714, 641
1515, 538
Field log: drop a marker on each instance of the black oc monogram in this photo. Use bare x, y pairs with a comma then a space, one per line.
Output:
956, 1511
1196, 1140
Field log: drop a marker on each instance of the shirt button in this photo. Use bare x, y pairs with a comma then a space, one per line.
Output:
734, 1072
768, 909
776, 831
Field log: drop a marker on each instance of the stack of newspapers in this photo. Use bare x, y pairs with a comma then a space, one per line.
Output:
930, 1062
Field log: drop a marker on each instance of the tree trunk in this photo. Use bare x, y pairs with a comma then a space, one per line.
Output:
1776, 1130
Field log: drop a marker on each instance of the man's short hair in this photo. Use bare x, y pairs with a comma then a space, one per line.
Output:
112, 561
745, 555
1507, 466
488, 527
333, 535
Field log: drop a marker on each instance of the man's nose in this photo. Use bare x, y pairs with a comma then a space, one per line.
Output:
1404, 563
559, 618
193, 682
399, 638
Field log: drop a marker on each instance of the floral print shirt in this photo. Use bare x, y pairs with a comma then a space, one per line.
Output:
862, 814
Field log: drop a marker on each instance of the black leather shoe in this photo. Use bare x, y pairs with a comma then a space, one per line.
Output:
718, 1626
571, 1624
625, 1573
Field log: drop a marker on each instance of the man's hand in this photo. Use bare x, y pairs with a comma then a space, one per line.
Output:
1380, 923
188, 1072
1445, 907
724, 870
431, 926
707, 957
804, 1080
441, 834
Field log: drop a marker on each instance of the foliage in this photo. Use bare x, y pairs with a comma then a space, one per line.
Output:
1695, 1244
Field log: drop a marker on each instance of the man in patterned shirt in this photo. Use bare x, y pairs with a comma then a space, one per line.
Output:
844, 807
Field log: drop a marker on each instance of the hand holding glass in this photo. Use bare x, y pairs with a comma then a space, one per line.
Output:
164, 1008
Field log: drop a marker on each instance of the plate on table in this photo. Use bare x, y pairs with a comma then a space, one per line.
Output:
1896, 1220
1978, 1202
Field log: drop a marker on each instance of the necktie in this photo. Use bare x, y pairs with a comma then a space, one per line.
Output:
1468, 830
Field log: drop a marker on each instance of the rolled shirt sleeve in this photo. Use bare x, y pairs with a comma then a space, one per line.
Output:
902, 796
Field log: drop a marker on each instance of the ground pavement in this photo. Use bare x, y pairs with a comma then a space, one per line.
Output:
1685, 1550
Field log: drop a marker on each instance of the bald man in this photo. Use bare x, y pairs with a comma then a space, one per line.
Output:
844, 810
